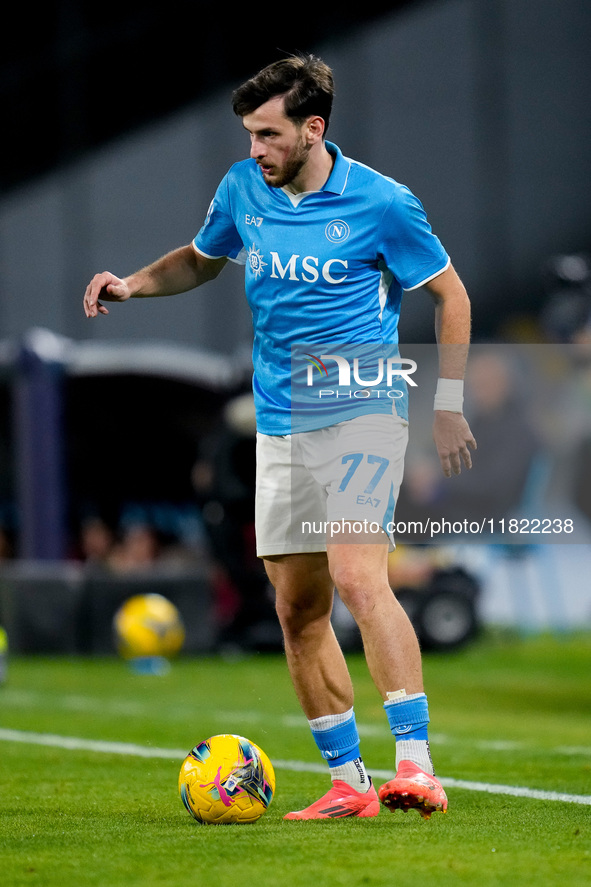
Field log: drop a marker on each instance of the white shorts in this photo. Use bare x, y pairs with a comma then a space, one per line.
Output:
311, 483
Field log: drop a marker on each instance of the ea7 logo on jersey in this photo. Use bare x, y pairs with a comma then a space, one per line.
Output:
253, 220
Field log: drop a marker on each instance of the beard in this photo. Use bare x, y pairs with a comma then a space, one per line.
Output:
291, 168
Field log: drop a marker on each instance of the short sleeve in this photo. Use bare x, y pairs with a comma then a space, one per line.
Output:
409, 248
218, 236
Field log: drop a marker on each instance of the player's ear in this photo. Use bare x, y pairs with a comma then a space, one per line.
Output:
315, 128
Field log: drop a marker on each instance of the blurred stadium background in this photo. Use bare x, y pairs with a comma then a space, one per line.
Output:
126, 443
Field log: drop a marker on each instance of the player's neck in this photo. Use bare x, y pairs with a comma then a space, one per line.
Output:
316, 172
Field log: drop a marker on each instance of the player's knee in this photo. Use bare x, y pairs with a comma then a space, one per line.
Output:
354, 590
302, 613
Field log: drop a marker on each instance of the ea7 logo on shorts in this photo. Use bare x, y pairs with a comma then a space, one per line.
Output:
337, 231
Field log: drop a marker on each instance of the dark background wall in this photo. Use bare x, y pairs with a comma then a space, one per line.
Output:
118, 127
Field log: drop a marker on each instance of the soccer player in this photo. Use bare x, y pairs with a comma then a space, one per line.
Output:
329, 245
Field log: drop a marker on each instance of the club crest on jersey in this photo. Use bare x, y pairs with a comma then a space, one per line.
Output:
337, 231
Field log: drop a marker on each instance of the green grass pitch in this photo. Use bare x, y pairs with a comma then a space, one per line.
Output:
507, 711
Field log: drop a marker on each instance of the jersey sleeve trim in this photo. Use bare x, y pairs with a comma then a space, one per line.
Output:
240, 259
204, 254
408, 289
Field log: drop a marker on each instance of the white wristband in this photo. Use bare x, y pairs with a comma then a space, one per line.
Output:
449, 395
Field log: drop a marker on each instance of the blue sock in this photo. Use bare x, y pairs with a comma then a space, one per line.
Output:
408, 717
338, 742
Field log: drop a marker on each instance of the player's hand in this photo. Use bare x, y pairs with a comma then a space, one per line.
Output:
453, 439
107, 287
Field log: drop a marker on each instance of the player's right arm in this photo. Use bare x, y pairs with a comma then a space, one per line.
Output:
181, 270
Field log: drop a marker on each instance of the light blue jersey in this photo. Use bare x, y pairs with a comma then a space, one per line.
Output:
321, 268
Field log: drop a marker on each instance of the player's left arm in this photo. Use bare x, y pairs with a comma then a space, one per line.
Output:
451, 431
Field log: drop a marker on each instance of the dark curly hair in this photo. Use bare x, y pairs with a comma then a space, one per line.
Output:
305, 81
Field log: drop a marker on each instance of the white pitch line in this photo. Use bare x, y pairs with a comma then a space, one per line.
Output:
74, 743
134, 708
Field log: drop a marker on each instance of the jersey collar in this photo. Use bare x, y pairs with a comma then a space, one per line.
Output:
337, 180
